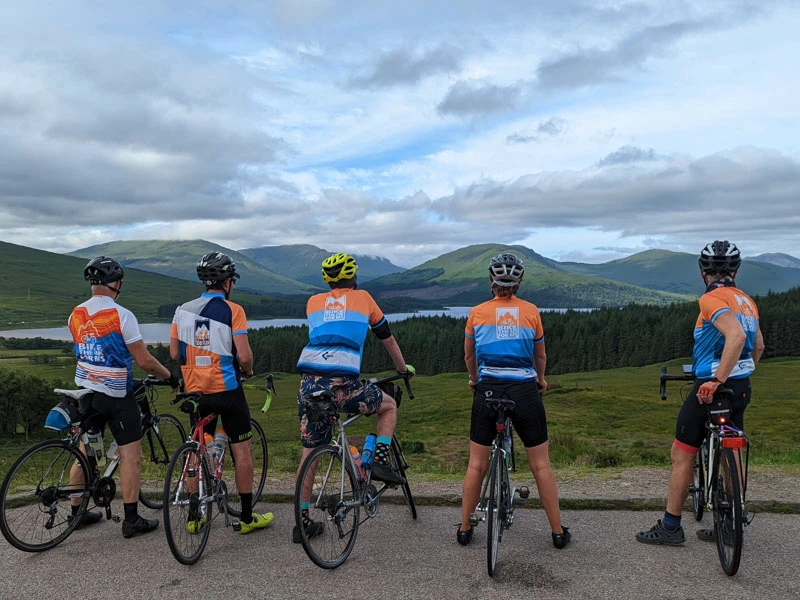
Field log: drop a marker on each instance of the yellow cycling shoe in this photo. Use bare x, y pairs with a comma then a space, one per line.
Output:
194, 527
258, 522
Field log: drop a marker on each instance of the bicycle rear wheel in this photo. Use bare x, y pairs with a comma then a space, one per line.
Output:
397, 460
494, 518
258, 448
698, 487
187, 516
728, 512
333, 507
159, 443
35, 510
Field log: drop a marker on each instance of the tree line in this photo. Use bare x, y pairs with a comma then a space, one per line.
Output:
635, 335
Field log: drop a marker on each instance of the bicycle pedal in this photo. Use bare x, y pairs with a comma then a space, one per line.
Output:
473, 520
237, 526
524, 492
116, 518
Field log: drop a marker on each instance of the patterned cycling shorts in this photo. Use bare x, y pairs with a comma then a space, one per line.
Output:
352, 396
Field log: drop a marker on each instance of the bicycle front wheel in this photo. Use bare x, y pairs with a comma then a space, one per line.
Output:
494, 518
728, 512
187, 513
36, 512
333, 497
159, 443
398, 462
698, 487
258, 449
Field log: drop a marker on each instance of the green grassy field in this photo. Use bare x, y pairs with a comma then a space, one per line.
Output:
597, 420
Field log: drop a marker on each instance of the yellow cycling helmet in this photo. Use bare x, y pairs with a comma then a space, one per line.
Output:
338, 267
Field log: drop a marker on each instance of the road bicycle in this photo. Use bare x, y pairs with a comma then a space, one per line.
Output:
496, 504
337, 487
719, 482
196, 481
36, 494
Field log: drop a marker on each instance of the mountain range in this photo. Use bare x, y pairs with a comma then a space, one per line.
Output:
38, 284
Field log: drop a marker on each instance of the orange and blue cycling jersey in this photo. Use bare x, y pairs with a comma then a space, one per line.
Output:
205, 328
722, 297
338, 322
101, 330
505, 331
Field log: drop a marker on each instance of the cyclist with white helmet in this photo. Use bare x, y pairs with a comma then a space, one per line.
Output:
504, 352
727, 345
338, 322
209, 338
107, 343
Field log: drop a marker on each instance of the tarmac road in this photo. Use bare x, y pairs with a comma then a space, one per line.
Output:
396, 557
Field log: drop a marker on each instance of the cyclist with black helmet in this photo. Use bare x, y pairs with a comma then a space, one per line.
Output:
727, 345
209, 338
338, 321
107, 343
504, 352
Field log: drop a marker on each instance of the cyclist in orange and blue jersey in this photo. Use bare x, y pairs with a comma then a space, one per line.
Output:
338, 323
107, 343
727, 345
209, 337
504, 352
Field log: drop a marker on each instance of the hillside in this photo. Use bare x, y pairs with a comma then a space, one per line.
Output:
677, 272
302, 262
178, 259
460, 277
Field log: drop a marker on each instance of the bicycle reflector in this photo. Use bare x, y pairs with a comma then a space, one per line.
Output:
733, 441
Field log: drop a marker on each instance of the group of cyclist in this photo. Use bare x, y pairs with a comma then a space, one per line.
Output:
504, 352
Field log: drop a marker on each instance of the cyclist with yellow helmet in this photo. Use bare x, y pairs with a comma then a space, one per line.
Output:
338, 322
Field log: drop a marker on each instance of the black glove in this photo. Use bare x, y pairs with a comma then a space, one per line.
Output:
174, 380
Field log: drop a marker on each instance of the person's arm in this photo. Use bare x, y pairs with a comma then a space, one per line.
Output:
540, 364
394, 351
174, 348
243, 353
147, 362
758, 347
471, 361
731, 329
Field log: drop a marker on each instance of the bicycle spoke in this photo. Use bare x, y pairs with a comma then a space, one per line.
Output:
159, 443
333, 507
188, 506
398, 462
258, 448
494, 512
35, 495
728, 512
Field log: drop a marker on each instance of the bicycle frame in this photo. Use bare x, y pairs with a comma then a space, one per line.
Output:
497, 446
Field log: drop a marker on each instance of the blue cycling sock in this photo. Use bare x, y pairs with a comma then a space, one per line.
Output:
382, 445
671, 522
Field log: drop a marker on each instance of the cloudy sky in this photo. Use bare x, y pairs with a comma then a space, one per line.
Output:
584, 129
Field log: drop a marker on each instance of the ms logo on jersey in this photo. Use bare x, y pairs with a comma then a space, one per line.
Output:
507, 323
335, 308
202, 334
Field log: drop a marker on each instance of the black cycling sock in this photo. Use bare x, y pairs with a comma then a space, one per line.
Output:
382, 450
131, 511
304, 514
75, 509
247, 507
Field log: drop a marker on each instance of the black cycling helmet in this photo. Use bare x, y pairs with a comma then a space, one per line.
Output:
506, 270
102, 271
720, 257
215, 267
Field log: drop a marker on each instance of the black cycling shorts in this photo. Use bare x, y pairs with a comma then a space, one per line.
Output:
121, 414
690, 430
528, 416
232, 407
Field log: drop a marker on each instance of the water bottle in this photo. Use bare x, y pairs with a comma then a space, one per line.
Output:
113, 450
369, 451
210, 450
507, 442
357, 461
95, 439
220, 440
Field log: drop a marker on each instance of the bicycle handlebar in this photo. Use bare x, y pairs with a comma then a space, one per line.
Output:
406, 377
665, 378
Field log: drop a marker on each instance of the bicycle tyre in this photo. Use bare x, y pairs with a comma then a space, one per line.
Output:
398, 462
493, 520
333, 482
260, 453
698, 487
181, 508
159, 443
35, 509
728, 528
